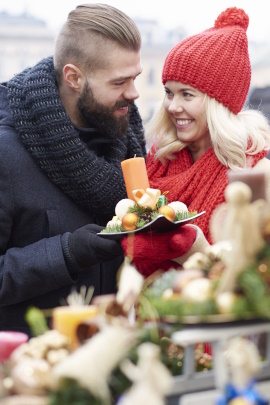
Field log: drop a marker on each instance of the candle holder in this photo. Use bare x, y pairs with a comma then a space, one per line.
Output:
254, 179
67, 318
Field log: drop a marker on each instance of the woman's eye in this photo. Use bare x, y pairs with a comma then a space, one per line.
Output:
168, 93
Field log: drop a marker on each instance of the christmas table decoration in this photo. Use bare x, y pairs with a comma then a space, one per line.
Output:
148, 211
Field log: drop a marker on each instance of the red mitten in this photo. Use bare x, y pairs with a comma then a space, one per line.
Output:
155, 250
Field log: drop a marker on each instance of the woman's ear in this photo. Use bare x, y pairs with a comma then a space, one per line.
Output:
73, 77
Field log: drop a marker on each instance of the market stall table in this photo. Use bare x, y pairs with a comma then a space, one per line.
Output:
192, 382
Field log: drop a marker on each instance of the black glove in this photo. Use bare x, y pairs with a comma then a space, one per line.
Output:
84, 247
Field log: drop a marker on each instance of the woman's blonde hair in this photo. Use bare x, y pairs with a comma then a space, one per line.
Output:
88, 35
232, 136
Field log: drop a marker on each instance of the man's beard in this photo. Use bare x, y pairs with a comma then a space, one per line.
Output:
97, 115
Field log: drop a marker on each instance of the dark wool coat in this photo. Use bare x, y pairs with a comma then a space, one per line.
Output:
35, 213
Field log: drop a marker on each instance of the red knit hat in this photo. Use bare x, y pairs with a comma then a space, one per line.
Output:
216, 61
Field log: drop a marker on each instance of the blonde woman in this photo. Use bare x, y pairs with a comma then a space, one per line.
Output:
200, 131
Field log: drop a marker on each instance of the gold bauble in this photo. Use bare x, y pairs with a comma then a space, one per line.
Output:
167, 211
129, 221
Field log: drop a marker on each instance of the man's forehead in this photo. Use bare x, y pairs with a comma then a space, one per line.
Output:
124, 67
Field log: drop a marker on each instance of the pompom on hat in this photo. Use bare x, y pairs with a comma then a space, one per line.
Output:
216, 61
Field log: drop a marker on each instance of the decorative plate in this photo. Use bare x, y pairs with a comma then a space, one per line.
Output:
158, 224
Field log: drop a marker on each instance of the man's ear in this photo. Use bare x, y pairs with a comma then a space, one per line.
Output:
73, 77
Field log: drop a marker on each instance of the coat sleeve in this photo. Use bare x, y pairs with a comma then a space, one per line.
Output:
28, 271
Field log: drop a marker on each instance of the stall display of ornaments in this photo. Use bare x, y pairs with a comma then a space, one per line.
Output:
117, 349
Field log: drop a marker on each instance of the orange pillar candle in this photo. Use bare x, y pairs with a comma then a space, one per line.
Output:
135, 175
67, 318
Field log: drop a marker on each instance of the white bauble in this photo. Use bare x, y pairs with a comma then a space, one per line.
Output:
225, 302
122, 207
197, 261
200, 290
178, 206
114, 221
184, 277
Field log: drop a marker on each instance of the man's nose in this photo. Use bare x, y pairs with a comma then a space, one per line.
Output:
131, 92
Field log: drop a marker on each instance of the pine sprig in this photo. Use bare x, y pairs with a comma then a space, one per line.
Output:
180, 215
179, 308
141, 223
136, 208
70, 393
113, 229
255, 290
155, 214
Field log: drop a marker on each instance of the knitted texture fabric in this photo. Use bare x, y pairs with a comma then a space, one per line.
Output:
155, 250
200, 185
216, 61
46, 131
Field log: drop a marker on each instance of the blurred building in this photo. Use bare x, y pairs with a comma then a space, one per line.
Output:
24, 40
259, 94
156, 43
260, 54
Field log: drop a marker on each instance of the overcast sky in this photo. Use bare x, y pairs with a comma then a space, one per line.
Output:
194, 15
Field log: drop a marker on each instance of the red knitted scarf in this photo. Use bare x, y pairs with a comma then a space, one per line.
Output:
199, 185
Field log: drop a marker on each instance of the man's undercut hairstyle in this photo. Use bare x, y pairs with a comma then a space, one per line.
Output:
89, 33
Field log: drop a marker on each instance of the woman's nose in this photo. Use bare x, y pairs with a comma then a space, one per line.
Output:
175, 106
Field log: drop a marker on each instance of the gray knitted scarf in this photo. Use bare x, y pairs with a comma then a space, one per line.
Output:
47, 132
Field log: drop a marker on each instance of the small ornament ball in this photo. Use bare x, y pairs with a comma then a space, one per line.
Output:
167, 211
122, 207
129, 221
178, 206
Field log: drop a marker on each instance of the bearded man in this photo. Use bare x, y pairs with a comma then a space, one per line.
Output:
65, 126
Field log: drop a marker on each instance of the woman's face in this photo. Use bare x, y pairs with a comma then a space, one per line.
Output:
185, 106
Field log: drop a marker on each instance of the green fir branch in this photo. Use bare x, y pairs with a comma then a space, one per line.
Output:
113, 229
180, 215
71, 393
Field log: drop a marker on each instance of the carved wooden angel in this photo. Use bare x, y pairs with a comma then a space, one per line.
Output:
239, 222
151, 379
